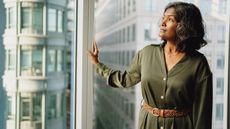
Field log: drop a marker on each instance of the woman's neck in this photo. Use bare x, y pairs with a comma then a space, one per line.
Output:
170, 47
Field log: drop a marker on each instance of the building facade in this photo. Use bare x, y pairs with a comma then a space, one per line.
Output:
125, 26
35, 70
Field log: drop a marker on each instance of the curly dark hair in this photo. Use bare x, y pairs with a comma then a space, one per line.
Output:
190, 29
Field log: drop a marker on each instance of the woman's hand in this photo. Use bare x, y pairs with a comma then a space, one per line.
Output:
94, 53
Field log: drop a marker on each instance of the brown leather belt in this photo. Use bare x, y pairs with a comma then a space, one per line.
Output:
165, 113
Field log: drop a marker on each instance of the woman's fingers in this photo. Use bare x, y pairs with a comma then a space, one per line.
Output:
95, 48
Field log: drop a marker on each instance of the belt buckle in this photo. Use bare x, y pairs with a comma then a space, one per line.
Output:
162, 111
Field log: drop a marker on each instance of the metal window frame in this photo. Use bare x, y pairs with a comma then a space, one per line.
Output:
226, 119
82, 79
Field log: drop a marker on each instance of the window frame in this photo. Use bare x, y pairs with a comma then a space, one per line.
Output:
82, 79
226, 118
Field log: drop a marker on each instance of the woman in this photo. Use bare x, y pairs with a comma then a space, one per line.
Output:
175, 78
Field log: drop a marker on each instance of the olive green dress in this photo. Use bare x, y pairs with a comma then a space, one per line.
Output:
188, 85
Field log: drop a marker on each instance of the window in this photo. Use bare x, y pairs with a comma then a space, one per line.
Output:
52, 106
55, 20
60, 60
51, 60
219, 111
220, 86
37, 107
60, 21
222, 6
10, 59
101, 120
10, 15
221, 34
150, 32
10, 110
31, 107
55, 60
150, 5
26, 108
52, 19
31, 61
133, 32
205, 6
220, 62
32, 18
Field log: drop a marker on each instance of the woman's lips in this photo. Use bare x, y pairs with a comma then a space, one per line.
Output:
163, 30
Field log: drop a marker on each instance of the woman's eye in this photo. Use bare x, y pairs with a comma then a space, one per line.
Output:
170, 19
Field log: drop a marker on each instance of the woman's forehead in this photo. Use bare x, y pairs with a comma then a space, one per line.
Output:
170, 12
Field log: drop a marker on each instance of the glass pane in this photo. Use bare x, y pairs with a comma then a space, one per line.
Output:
12, 16
25, 108
25, 62
115, 28
26, 14
59, 60
37, 107
37, 20
26, 82
37, 61
52, 19
52, 106
51, 60
11, 59
60, 21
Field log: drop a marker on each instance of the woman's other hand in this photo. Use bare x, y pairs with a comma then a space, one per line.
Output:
94, 53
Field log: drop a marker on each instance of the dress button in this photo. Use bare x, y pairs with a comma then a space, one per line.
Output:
164, 78
162, 97
162, 127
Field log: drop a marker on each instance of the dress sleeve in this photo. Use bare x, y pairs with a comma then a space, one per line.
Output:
202, 104
116, 78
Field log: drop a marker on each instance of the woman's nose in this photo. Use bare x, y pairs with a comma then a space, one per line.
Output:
163, 22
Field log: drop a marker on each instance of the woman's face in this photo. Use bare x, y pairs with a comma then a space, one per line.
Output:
168, 25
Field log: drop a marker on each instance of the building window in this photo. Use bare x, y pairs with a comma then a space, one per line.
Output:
31, 61
10, 17
219, 111
134, 5
37, 107
51, 61
25, 108
31, 106
220, 86
55, 60
150, 5
55, 20
60, 21
52, 19
133, 32
205, 6
220, 62
221, 34
10, 59
222, 6
52, 106
150, 32
60, 60
10, 108
32, 18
